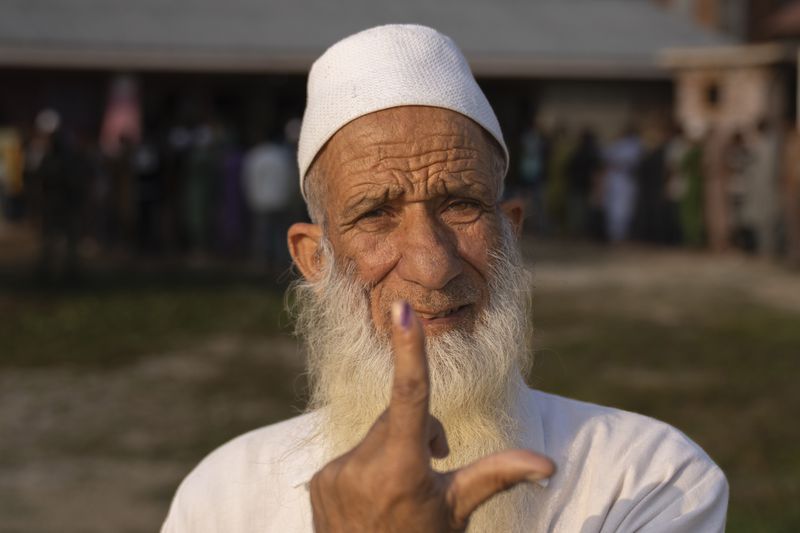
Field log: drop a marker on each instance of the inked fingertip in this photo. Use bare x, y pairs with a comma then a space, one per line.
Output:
405, 318
401, 315
398, 310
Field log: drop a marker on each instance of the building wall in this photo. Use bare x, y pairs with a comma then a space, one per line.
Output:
728, 98
606, 107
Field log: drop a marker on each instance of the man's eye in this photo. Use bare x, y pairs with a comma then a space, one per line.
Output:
460, 205
462, 211
375, 213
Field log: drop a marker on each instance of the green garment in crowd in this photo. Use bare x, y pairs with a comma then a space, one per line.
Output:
691, 204
557, 184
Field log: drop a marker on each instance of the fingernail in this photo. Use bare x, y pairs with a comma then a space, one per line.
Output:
535, 477
406, 316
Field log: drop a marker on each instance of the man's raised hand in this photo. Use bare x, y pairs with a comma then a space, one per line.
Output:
386, 482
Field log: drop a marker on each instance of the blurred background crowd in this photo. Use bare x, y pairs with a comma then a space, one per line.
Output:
203, 187
665, 187
198, 189
195, 188
188, 184
683, 135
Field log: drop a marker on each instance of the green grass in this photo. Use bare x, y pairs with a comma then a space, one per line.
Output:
115, 325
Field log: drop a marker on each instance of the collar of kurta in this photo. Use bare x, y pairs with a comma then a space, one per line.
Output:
311, 456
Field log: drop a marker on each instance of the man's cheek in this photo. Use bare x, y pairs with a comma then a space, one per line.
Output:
374, 259
474, 247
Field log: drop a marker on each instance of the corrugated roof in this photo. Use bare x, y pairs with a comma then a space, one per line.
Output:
499, 37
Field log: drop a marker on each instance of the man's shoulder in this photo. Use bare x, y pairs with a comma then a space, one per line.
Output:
262, 462
577, 423
240, 485
622, 471
272, 445
635, 454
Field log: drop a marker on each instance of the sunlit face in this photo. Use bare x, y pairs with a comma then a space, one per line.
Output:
413, 206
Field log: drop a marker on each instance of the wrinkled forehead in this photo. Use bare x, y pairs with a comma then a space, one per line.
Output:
412, 150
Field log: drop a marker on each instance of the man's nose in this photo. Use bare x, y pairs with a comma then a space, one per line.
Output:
429, 253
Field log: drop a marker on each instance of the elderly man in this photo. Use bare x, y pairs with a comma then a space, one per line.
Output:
414, 310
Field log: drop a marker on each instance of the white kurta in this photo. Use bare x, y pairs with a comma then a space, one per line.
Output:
617, 471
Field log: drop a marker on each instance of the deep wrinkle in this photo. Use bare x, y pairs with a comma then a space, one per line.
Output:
413, 203
444, 190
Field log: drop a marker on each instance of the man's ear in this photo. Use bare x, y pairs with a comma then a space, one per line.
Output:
514, 209
304, 242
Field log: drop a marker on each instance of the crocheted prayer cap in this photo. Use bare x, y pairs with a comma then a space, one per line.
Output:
383, 67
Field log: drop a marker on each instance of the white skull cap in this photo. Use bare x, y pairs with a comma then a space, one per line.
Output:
384, 67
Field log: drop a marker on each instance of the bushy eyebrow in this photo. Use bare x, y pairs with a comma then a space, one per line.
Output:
376, 194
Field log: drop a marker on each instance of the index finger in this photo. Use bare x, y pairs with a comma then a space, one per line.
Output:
408, 406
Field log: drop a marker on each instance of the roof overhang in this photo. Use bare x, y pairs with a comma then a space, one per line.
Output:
572, 68
233, 60
155, 59
734, 56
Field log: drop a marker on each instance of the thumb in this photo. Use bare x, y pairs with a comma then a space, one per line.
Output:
477, 482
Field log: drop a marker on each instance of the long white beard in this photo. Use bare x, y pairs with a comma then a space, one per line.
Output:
476, 377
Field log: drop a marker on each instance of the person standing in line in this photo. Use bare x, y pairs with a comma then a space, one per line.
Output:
63, 174
11, 173
532, 172
559, 153
268, 176
582, 169
204, 166
122, 194
791, 193
691, 196
761, 196
621, 159
37, 146
738, 161
717, 211
176, 154
147, 165
677, 182
231, 209
650, 210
